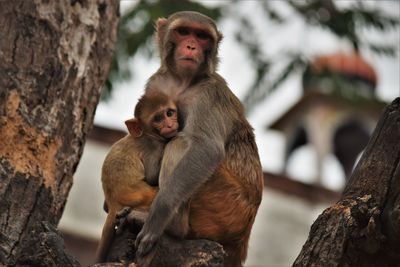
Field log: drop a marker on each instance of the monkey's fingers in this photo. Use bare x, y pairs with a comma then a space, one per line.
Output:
145, 243
122, 213
138, 240
120, 225
137, 217
121, 219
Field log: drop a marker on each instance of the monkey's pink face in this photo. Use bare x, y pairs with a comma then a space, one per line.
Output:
166, 122
191, 43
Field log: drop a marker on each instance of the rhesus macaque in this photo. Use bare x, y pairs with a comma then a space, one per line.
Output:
131, 168
214, 161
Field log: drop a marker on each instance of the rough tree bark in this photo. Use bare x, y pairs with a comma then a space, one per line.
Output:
363, 228
54, 59
170, 252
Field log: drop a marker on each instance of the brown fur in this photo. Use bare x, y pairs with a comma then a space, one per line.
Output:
133, 162
213, 164
224, 208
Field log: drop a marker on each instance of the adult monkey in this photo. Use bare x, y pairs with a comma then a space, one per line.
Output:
213, 162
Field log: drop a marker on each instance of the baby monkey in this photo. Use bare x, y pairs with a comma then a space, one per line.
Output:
131, 168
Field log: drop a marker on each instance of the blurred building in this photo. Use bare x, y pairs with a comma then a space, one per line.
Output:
337, 112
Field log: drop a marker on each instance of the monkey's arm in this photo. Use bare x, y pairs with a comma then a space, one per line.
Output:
189, 160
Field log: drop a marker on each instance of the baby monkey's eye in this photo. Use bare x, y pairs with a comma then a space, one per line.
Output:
157, 118
170, 112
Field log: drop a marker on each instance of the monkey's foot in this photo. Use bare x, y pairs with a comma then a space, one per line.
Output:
121, 220
129, 217
136, 217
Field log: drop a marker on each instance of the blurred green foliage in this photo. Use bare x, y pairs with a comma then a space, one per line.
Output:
136, 30
344, 23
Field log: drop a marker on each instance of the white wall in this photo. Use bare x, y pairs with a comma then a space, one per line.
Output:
83, 214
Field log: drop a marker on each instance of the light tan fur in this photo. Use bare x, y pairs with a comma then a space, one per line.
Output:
124, 185
133, 163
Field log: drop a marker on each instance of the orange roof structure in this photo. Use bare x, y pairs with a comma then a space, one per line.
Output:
351, 64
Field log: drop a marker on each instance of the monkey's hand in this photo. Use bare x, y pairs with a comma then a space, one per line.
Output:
121, 219
128, 216
146, 241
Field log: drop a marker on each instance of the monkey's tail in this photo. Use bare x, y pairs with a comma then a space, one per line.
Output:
107, 236
237, 251
234, 257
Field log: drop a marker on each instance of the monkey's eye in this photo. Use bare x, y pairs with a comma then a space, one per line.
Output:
170, 112
157, 118
202, 35
183, 31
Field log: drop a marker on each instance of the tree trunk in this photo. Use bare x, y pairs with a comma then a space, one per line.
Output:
54, 59
169, 252
363, 228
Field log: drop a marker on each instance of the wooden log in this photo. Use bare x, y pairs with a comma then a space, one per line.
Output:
170, 252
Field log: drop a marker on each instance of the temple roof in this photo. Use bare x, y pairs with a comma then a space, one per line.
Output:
350, 64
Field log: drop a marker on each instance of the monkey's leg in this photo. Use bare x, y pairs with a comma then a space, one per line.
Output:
178, 228
129, 217
138, 197
135, 220
106, 238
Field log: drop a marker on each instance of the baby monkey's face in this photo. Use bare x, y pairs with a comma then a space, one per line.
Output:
165, 121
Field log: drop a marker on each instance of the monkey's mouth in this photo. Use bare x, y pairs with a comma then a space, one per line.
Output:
170, 133
188, 60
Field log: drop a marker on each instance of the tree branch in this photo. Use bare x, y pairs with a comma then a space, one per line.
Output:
355, 231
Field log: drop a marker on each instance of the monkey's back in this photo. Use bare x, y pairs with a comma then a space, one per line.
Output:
123, 169
124, 185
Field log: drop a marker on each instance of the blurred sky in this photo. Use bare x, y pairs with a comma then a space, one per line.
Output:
238, 72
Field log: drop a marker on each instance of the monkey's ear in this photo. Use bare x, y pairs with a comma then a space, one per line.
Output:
220, 37
134, 127
161, 28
